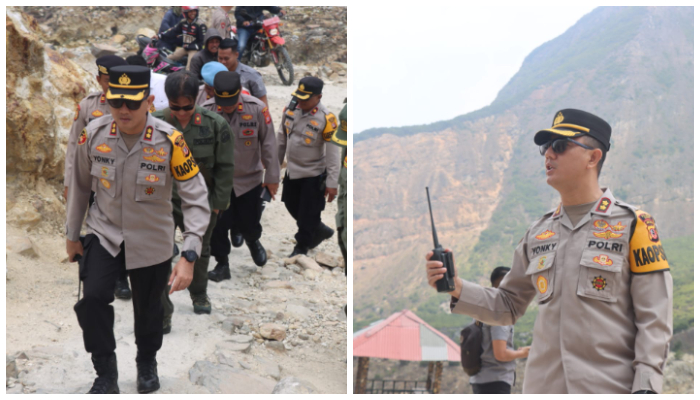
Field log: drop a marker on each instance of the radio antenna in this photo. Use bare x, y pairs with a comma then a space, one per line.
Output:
432, 222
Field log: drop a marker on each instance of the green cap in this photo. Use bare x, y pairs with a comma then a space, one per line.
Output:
340, 136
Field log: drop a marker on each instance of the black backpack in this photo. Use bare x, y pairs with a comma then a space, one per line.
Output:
470, 343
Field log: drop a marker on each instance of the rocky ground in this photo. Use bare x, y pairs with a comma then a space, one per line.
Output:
233, 350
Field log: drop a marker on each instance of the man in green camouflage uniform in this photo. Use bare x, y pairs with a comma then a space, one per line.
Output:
340, 139
210, 138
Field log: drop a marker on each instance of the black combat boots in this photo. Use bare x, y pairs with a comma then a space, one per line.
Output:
257, 251
219, 273
237, 240
299, 250
146, 374
121, 289
107, 375
322, 233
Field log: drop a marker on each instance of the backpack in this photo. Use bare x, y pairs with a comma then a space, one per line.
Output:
471, 349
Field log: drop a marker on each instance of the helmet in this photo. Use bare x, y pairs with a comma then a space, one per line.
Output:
186, 9
150, 54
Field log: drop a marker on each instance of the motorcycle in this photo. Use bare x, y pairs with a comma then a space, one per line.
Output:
267, 45
157, 59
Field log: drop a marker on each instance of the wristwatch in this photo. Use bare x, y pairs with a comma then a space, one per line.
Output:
190, 255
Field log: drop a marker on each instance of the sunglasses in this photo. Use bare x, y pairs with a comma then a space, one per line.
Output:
130, 104
185, 108
559, 146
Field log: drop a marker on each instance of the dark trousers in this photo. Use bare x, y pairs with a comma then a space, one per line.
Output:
496, 387
304, 199
122, 275
241, 217
99, 272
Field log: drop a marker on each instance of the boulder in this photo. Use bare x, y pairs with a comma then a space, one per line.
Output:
292, 385
273, 331
307, 262
218, 378
22, 246
326, 259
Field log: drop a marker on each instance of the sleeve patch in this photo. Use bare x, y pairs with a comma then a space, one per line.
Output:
646, 252
182, 164
83, 137
77, 113
331, 126
266, 113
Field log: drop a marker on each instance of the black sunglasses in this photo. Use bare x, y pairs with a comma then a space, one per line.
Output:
559, 145
185, 108
130, 104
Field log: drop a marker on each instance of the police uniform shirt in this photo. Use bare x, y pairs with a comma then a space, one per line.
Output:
133, 191
255, 146
93, 106
221, 21
252, 80
202, 96
605, 298
305, 138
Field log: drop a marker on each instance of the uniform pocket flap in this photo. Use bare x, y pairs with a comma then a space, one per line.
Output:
540, 263
103, 171
150, 178
602, 260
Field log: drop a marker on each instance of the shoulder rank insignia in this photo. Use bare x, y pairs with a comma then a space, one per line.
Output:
97, 113
182, 164
557, 212
102, 99
197, 119
314, 111
545, 235
646, 252
266, 113
77, 113
83, 137
218, 108
290, 113
603, 205
240, 107
148, 136
345, 162
152, 109
113, 129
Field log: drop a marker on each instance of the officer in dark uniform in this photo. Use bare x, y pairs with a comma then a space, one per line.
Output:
210, 138
90, 108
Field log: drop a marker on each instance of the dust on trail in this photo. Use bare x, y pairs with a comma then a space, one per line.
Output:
45, 341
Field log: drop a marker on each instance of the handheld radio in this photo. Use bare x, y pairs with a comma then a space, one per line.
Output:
447, 282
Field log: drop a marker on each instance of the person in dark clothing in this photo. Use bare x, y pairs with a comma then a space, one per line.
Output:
245, 22
190, 32
209, 53
171, 18
497, 374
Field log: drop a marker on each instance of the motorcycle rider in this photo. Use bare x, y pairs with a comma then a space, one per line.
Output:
212, 40
246, 17
171, 18
192, 33
250, 78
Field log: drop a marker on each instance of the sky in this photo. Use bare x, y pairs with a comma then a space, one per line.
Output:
415, 66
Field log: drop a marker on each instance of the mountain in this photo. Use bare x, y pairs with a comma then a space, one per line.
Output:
632, 66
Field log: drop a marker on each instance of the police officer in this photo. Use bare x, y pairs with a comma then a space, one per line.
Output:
312, 162
597, 269
90, 108
250, 78
221, 21
206, 91
210, 139
256, 155
340, 139
131, 159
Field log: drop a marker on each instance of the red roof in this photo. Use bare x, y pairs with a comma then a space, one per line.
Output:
404, 336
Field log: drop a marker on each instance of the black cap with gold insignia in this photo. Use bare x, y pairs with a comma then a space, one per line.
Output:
227, 88
574, 123
105, 63
308, 87
129, 82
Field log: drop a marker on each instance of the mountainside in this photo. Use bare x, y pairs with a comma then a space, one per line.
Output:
632, 66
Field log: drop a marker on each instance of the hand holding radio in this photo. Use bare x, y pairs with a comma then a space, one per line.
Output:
440, 266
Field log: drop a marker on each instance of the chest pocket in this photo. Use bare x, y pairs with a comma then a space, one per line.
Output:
541, 271
105, 177
599, 274
151, 186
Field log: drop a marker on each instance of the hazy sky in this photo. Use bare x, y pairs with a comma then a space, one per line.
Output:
416, 65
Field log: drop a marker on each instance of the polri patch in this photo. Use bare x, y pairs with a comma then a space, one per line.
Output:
83, 137
651, 226
545, 235
97, 113
618, 227
607, 235
103, 148
540, 263
105, 183
542, 284
154, 158
150, 190
248, 142
248, 132
603, 260
148, 150
600, 224
161, 152
247, 117
599, 283
153, 178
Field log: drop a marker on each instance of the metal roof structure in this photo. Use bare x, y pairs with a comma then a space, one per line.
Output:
404, 336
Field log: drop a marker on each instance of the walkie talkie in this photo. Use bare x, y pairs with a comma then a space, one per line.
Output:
447, 282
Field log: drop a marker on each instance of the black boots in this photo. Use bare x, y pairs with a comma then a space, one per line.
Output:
322, 233
237, 240
219, 273
299, 250
257, 251
147, 374
107, 375
121, 289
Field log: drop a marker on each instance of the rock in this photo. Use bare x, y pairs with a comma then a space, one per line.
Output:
241, 339
244, 364
294, 268
273, 331
333, 76
10, 368
338, 67
229, 346
299, 312
22, 246
270, 272
292, 385
118, 39
311, 274
225, 379
291, 260
307, 262
24, 215
146, 32
269, 367
101, 49
326, 259
230, 323
303, 336
248, 269
277, 285
276, 346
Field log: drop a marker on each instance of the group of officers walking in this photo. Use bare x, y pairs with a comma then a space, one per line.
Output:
140, 172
